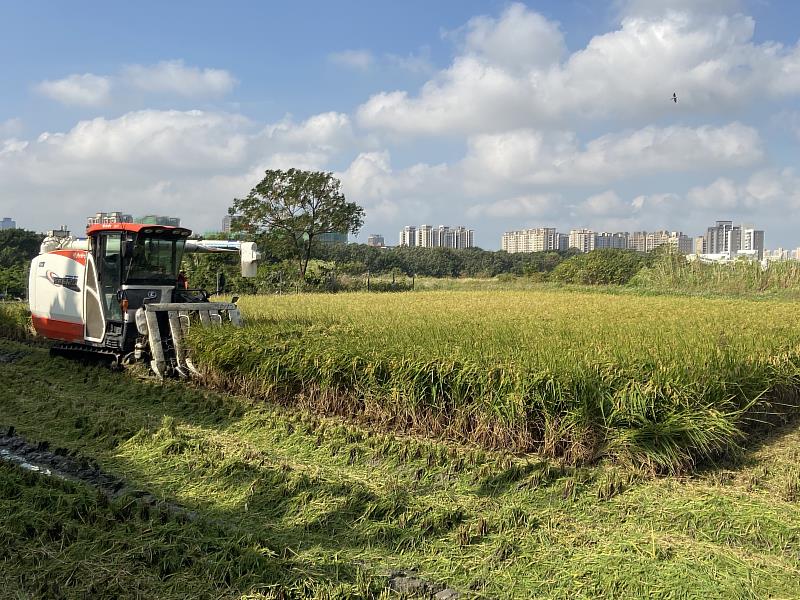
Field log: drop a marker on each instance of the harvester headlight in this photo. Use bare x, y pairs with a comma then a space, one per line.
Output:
141, 321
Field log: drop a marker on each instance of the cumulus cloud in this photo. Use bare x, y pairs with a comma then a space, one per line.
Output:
627, 74
78, 90
174, 77
353, 59
10, 128
657, 8
519, 207
533, 157
765, 189
519, 40
188, 163
167, 77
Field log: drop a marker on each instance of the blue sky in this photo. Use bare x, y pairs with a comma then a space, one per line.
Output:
495, 115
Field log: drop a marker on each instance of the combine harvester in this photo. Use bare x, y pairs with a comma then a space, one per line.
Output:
115, 294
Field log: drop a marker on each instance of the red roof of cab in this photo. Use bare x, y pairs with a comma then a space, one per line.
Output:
132, 227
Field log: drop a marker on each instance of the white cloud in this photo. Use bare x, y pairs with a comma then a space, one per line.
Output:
78, 90
629, 74
166, 77
763, 190
518, 40
526, 156
606, 204
174, 77
326, 131
519, 207
10, 128
353, 59
656, 8
187, 163
417, 63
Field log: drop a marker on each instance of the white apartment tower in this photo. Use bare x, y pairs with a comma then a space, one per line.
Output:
541, 239
611, 240
753, 241
443, 236
582, 239
408, 236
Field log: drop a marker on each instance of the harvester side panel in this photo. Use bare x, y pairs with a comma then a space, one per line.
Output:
55, 294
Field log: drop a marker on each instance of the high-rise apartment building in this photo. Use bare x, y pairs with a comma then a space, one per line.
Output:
160, 220
103, 218
753, 241
582, 239
8, 223
683, 243
723, 238
461, 237
638, 241
228, 221
425, 236
700, 245
376, 240
541, 239
408, 236
605, 239
443, 236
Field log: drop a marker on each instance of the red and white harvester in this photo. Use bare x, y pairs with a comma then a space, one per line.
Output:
115, 293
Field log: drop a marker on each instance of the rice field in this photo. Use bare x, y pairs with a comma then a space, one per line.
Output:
659, 382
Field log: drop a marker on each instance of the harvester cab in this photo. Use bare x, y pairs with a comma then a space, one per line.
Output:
116, 293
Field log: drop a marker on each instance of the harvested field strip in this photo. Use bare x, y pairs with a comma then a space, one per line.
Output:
653, 381
317, 507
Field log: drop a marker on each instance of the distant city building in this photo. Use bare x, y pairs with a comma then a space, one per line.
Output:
700, 245
408, 236
611, 240
726, 241
8, 223
228, 221
541, 239
582, 239
160, 220
376, 240
637, 241
443, 236
753, 241
332, 237
103, 218
683, 243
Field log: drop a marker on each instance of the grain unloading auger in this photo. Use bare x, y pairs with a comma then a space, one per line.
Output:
117, 294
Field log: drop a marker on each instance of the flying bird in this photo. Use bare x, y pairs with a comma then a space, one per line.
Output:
674, 97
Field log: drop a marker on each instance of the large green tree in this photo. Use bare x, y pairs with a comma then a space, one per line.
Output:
294, 208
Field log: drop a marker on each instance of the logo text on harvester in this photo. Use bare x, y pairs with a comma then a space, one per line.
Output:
69, 282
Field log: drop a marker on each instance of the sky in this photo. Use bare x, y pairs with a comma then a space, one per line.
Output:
493, 115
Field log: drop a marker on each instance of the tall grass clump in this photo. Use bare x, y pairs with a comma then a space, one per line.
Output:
657, 381
672, 272
14, 320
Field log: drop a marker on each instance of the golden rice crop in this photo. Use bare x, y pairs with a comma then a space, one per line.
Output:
661, 381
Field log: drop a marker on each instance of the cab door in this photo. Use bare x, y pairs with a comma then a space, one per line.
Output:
94, 324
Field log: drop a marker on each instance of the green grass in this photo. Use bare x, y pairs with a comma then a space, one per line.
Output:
15, 322
741, 278
291, 504
660, 382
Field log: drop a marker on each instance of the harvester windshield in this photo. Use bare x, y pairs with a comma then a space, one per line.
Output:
154, 258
